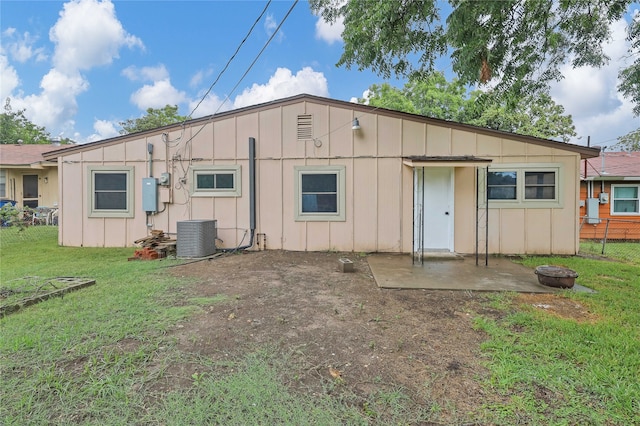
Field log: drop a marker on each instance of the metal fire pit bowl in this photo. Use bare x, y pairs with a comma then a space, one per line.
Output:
556, 276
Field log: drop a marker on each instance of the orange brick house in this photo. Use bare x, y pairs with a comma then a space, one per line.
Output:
610, 196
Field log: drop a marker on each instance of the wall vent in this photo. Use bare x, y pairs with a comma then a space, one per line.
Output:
196, 238
305, 127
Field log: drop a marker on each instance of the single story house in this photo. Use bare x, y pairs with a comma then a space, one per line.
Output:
26, 177
311, 173
610, 196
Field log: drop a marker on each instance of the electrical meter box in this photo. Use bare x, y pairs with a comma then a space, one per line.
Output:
150, 195
604, 197
165, 179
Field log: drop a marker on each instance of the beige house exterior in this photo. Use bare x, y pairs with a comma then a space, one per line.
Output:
327, 175
26, 177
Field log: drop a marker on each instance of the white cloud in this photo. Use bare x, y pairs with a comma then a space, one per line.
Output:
21, 46
104, 129
156, 73
88, 34
199, 77
157, 95
282, 84
55, 106
212, 104
9, 79
590, 95
329, 32
270, 26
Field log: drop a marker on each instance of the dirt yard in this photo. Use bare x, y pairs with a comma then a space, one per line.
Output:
340, 327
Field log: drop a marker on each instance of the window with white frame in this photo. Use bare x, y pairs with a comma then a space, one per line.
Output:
320, 193
215, 181
111, 191
524, 185
625, 199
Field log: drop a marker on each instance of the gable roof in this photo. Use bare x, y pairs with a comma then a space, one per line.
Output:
612, 165
14, 155
585, 152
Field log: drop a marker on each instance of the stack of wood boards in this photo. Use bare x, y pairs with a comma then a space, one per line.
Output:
158, 241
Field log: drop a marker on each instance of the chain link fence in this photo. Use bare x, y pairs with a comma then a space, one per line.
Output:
17, 234
615, 238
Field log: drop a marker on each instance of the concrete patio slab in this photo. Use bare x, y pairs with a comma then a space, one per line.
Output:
459, 273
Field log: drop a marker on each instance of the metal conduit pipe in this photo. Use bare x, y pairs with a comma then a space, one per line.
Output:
252, 198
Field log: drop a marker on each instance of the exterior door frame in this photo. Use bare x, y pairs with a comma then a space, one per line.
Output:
28, 198
434, 209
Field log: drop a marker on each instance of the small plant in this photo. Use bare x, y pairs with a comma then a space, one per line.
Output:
12, 216
198, 378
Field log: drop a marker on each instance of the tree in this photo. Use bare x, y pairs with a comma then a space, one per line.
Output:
14, 127
521, 43
434, 96
155, 118
629, 142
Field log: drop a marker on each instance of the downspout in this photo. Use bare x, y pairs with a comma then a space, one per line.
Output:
252, 197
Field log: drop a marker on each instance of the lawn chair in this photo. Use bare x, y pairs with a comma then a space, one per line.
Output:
41, 216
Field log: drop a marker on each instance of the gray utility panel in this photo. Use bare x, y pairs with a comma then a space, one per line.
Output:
196, 238
150, 194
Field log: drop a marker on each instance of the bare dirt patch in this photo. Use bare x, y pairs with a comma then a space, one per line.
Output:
558, 306
328, 322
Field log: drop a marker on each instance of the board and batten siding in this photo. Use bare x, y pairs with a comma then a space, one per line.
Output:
379, 187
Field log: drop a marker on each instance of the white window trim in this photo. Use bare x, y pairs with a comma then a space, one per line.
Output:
93, 212
522, 203
340, 172
236, 191
612, 200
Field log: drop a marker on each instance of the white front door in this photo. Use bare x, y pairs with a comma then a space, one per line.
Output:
438, 208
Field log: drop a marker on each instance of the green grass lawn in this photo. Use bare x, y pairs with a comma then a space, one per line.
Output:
60, 362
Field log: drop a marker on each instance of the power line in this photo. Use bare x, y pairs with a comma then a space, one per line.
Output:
231, 58
259, 54
247, 71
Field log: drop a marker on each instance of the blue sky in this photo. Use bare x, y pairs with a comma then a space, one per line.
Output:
81, 67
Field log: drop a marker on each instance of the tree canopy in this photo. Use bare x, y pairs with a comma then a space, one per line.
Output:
629, 142
14, 127
522, 43
152, 120
433, 96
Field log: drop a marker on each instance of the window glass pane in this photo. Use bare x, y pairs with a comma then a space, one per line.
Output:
205, 181
540, 193
502, 185
224, 181
539, 178
111, 201
319, 203
110, 181
539, 185
625, 192
3, 183
502, 193
502, 178
625, 206
325, 182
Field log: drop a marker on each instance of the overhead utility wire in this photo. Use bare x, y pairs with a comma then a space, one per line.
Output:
231, 58
248, 69
259, 54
